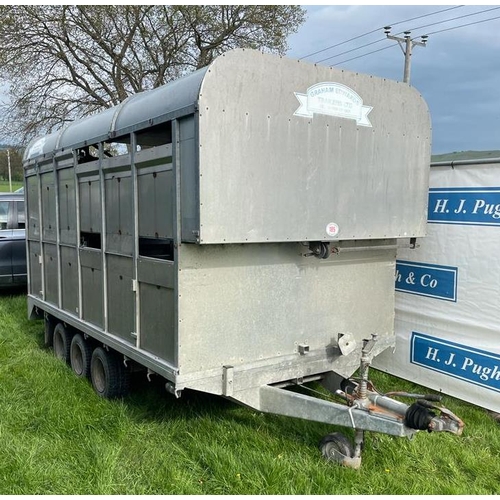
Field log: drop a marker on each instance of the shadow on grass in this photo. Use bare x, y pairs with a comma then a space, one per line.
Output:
149, 401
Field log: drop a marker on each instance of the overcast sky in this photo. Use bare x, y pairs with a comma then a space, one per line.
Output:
458, 72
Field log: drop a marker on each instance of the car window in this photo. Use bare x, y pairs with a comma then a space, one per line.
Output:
4, 214
21, 220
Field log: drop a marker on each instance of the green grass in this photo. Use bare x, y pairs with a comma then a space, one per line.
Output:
58, 437
5, 186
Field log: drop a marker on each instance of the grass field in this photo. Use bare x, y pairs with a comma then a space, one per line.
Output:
5, 186
58, 437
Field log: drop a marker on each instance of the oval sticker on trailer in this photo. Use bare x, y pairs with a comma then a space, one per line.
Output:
332, 229
334, 99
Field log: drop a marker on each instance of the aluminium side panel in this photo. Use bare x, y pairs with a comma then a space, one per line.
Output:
50, 272
49, 229
189, 178
35, 269
67, 206
119, 213
90, 204
121, 302
32, 207
69, 279
155, 199
92, 286
158, 301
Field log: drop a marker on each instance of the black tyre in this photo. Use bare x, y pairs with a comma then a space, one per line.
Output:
336, 447
49, 332
109, 377
62, 342
80, 356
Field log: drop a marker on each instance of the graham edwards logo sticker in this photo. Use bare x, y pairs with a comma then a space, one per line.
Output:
333, 99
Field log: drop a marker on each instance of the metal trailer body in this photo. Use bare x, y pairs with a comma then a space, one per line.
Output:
235, 231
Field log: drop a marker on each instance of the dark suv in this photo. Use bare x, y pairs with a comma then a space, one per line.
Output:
12, 240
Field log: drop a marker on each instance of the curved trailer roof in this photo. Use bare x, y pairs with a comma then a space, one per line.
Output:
134, 111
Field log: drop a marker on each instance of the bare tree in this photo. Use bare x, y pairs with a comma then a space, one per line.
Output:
65, 61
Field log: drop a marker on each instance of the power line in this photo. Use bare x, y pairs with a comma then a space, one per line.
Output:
341, 43
363, 55
455, 18
351, 50
432, 33
378, 29
356, 48
463, 25
420, 27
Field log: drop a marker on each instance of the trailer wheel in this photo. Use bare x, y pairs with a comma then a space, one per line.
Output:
109, 377
336, 447
80, 355
62, 342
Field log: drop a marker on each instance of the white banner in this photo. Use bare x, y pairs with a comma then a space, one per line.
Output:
448, 290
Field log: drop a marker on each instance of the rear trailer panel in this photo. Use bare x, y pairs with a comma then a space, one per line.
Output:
354, 150
235, 232
242, 304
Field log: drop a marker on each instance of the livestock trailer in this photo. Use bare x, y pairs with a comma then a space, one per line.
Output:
235, 233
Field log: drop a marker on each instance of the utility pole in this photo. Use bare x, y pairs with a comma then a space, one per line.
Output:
407, 43
8, 165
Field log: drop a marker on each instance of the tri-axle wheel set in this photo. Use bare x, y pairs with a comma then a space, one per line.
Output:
88, 359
